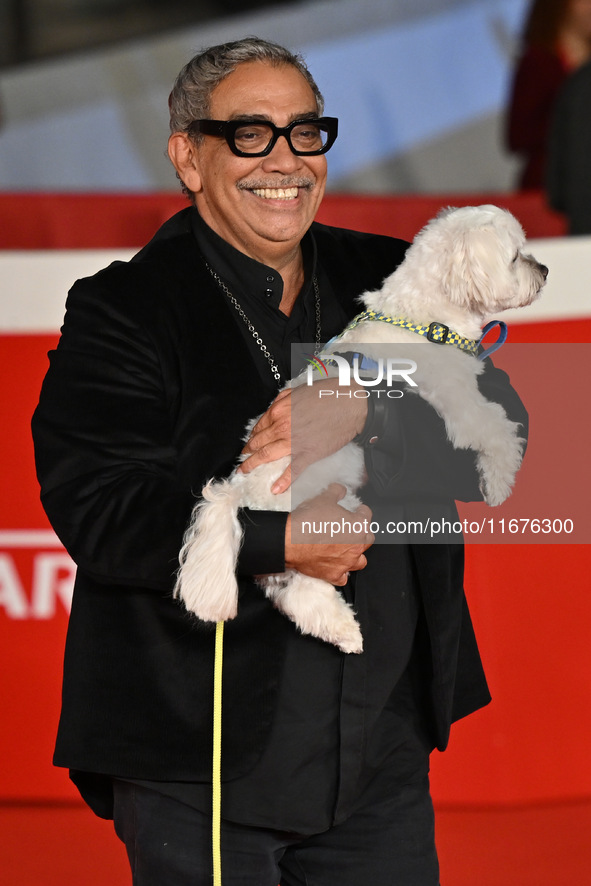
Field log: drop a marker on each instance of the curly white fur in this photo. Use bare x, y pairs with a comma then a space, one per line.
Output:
464, 266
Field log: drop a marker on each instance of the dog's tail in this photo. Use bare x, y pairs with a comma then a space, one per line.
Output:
206, 580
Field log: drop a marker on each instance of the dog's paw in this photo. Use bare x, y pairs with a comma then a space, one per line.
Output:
339, 627
218, 613
207, 606
350, 641
498, 468
318, 609
495, 494
343, 631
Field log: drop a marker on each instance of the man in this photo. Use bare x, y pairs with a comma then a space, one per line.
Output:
161, 362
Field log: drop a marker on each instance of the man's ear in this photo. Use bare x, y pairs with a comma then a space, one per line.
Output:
183, 156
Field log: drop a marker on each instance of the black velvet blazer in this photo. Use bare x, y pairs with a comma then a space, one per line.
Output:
146, 398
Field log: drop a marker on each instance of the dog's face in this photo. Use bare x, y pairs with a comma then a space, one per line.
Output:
476, 254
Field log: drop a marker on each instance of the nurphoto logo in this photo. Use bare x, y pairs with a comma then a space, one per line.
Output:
389, 370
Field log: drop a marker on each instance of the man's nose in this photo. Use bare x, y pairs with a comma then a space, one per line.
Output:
281, 155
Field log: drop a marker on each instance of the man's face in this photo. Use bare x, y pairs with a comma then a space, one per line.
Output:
237, 196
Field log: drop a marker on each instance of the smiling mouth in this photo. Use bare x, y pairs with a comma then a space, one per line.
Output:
276, 193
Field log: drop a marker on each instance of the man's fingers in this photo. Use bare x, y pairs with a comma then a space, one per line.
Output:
277, 416
283, 483
265, 438
341, 581
283, 395
363, 512
331, 562
270, 438
266, 454
276, 428
336, 491
356, 566
263, 453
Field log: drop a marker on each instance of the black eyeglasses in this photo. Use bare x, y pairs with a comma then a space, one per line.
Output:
257, 138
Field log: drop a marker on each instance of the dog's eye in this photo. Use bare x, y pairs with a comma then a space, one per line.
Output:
515, 257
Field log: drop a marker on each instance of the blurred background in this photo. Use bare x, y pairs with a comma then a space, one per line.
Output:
440, 102
419, 86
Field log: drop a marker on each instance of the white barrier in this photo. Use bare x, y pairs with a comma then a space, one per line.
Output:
34, 284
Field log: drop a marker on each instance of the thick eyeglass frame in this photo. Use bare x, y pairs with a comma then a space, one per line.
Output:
227, 129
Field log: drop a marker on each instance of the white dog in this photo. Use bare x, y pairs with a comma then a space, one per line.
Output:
464, 266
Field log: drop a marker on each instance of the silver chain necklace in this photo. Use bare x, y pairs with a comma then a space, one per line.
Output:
263, 347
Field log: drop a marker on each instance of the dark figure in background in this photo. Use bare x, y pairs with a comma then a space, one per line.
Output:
568, 181
556, 41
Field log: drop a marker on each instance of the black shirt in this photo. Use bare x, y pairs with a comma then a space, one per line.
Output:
339, 734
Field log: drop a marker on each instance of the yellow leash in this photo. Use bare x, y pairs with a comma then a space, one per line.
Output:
217, 756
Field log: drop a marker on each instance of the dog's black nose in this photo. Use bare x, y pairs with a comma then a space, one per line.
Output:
544, 271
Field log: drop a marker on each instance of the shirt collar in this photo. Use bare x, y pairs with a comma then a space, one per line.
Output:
244, 275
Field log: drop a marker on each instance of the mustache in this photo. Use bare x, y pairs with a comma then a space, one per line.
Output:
290, 181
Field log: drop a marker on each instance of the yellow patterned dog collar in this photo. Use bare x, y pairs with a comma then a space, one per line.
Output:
438, 333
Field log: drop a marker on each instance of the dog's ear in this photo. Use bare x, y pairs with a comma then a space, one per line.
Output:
476, 266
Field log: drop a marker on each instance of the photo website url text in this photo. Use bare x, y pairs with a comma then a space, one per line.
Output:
431, 528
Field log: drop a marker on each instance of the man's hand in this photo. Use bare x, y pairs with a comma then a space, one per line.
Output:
307, 425
331, 554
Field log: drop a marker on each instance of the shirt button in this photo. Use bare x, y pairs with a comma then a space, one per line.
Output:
270, 279
268, 293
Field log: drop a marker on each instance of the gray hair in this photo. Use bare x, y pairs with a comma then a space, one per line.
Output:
190, 98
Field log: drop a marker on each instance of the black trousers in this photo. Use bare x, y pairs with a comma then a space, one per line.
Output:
390, 843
